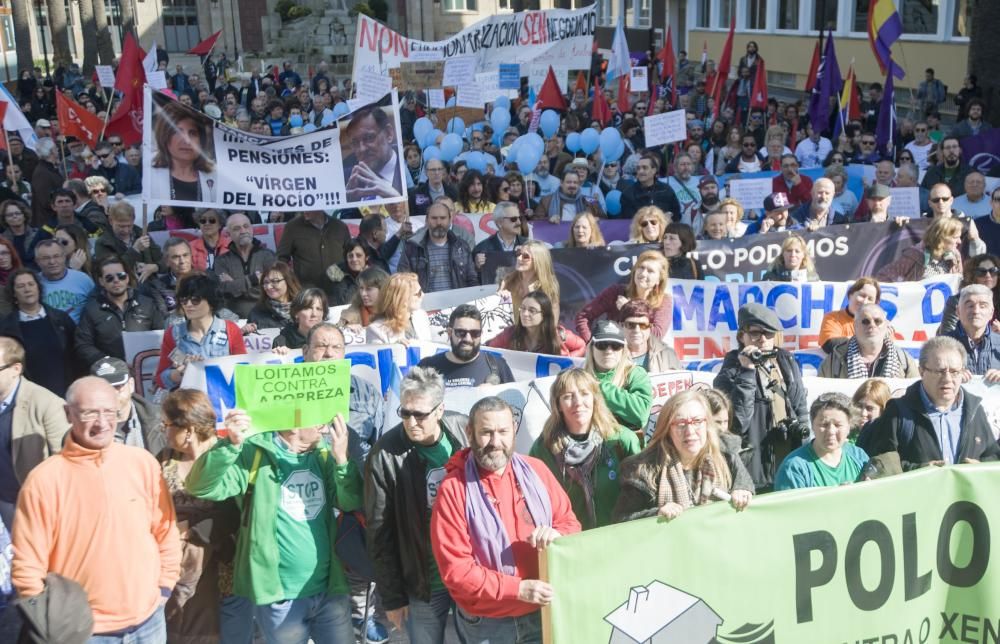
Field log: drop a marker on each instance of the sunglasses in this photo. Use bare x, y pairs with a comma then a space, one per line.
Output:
608, 346
749, 145
637, 325
103, 156
870, 322
416, 415
472, 333
116, 277
649, 224
983, 272
868, 143
939, 199
208, 221
190, 300
513, 219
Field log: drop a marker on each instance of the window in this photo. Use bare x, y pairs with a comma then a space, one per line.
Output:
180, 25
919, 16
113, 10
638, 14
825, 15
703, 14
860, 23
756, 14
8, 32
963, 16
727, 11
607, 13
460, 5
788, 14
504, 5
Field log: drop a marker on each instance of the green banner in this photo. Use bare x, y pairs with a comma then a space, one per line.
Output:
903, 559
289, 396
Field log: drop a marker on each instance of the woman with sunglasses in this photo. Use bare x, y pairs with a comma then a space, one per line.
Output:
15, 215
647, 226
583, 446
279, 286
584, 232
309, 308
99, 190
399, 317
611, 178
213, 242
201, 334
647, 282
532, 272
75, 246
684, 465
537, 330
624, 385
981, 269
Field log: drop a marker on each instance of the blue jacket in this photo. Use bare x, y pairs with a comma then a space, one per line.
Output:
983, 357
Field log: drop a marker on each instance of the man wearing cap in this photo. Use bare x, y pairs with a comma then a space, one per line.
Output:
708, 191
588, 188
797, 187
776, 217
877, 201
685, 186
138, 420
763, 382
567, 202
43, 128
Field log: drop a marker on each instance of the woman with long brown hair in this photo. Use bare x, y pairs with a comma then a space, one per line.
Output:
398, 316
647, 281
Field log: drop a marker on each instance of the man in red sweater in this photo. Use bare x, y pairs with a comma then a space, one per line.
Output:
797, 186
495, 511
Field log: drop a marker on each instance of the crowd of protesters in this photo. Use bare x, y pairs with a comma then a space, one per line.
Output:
135, 516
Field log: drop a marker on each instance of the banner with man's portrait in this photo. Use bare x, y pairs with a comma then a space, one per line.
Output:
190, 159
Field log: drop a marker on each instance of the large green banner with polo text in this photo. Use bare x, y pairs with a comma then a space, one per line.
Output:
905, 559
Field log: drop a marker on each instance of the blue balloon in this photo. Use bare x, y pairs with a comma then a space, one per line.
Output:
295, 120
615, 153
476, 161
431, 138
451, 102
328, 118
503, 103
422, 127
309, 127
432, 152
456, 125
451, 146
532, 139
499, 119
340, 109
590, 140
613, 200
549, 123
573, 142
527, 159
609, 140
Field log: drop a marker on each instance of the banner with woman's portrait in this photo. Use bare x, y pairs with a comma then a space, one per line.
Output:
191, 159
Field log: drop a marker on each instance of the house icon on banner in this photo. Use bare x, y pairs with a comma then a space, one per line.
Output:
661, 614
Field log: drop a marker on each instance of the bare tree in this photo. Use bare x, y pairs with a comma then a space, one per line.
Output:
60, 32
984, 52
128, 19
88, 25
105, 46
22, 34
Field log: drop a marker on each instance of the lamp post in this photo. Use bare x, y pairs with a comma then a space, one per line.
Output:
41, 27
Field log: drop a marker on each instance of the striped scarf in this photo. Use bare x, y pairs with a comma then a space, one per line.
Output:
856, 367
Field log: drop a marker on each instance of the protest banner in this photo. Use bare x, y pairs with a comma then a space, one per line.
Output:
553, 34
905, 202
435, 98
370, 87
665, 128
469, 94
291, 396
418, 76
458, 71
902, 559
468, 115
538, 72
750, 192
489, 87
982, 151
190, 159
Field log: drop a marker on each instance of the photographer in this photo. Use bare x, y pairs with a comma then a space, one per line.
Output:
769, 399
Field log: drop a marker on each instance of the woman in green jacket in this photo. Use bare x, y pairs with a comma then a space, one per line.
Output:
583, 445
626, 387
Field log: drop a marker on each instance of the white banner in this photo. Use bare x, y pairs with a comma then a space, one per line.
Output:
189, 159
562, 35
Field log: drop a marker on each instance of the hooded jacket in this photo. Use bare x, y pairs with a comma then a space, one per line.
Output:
100, 330
415, 259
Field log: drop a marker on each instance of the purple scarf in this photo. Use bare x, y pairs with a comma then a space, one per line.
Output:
490, 541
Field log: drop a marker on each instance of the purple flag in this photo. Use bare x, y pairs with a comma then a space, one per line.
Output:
982, 151
828, 84
885, 130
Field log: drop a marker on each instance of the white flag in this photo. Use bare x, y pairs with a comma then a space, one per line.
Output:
14, 120
620, 62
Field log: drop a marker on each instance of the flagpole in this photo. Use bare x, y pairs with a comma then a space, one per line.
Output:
6, 143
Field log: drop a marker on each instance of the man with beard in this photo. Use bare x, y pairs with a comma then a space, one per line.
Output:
949, 170
547, 184
708, 190
465, 365
440, 259
372, 170
239, 271
494, 511
685, 186
792, 182
567, 202
820, 211
648, 190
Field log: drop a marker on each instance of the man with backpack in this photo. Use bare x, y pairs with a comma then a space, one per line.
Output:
465, 365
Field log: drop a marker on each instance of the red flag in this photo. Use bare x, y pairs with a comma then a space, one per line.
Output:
758, 99
669, 70
581, 82
205, 46
549, 96
623, 88
600, 111
126, 122
813, 69
74, 120
3, 114
723, 68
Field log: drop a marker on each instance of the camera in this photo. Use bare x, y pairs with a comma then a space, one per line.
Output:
760, 357
791, 429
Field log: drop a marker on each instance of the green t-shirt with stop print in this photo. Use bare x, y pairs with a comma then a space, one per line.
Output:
435, 456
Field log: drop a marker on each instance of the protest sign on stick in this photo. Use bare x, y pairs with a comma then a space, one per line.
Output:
291, 396
419, 76
665, 128
750, 192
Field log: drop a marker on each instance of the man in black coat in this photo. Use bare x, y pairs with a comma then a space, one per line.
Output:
649, 191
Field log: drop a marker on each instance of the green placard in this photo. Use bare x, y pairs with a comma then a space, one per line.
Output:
903, 559
290, 396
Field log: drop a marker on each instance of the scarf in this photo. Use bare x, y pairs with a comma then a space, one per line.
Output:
490, 542
674, 487
366, 315
556, 204
282, 310
856, 368
577, 462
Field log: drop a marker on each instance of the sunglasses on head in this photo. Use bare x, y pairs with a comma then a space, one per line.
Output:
120, 276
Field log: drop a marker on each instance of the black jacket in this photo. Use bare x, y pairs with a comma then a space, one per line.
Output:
415, 259
243, 291
752, 417
420, 198
399, 542
65, 331
661, 195
918, 444
344, 284
100, 330
265, 318
290, 337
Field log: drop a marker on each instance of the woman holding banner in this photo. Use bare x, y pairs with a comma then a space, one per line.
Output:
624, 385
399, 317
647, 281
183, 167
939, 254
532, 272
537, 330
794, 264
684, 465
583, 445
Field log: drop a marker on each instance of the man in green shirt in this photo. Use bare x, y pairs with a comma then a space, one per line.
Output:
286, 484
402, 477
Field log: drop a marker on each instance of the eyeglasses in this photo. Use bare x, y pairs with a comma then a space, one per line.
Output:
98, 191
190, 300
529, 310
121, 276
274, 282
757, 334
477, 139
472, 333
208, 220
749, 145
8, 365
513, 219
419, 416
940, 199
91, 415
941, 373
983, 272
608, 346
636, 325
689, 422
870, 322
612, 164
